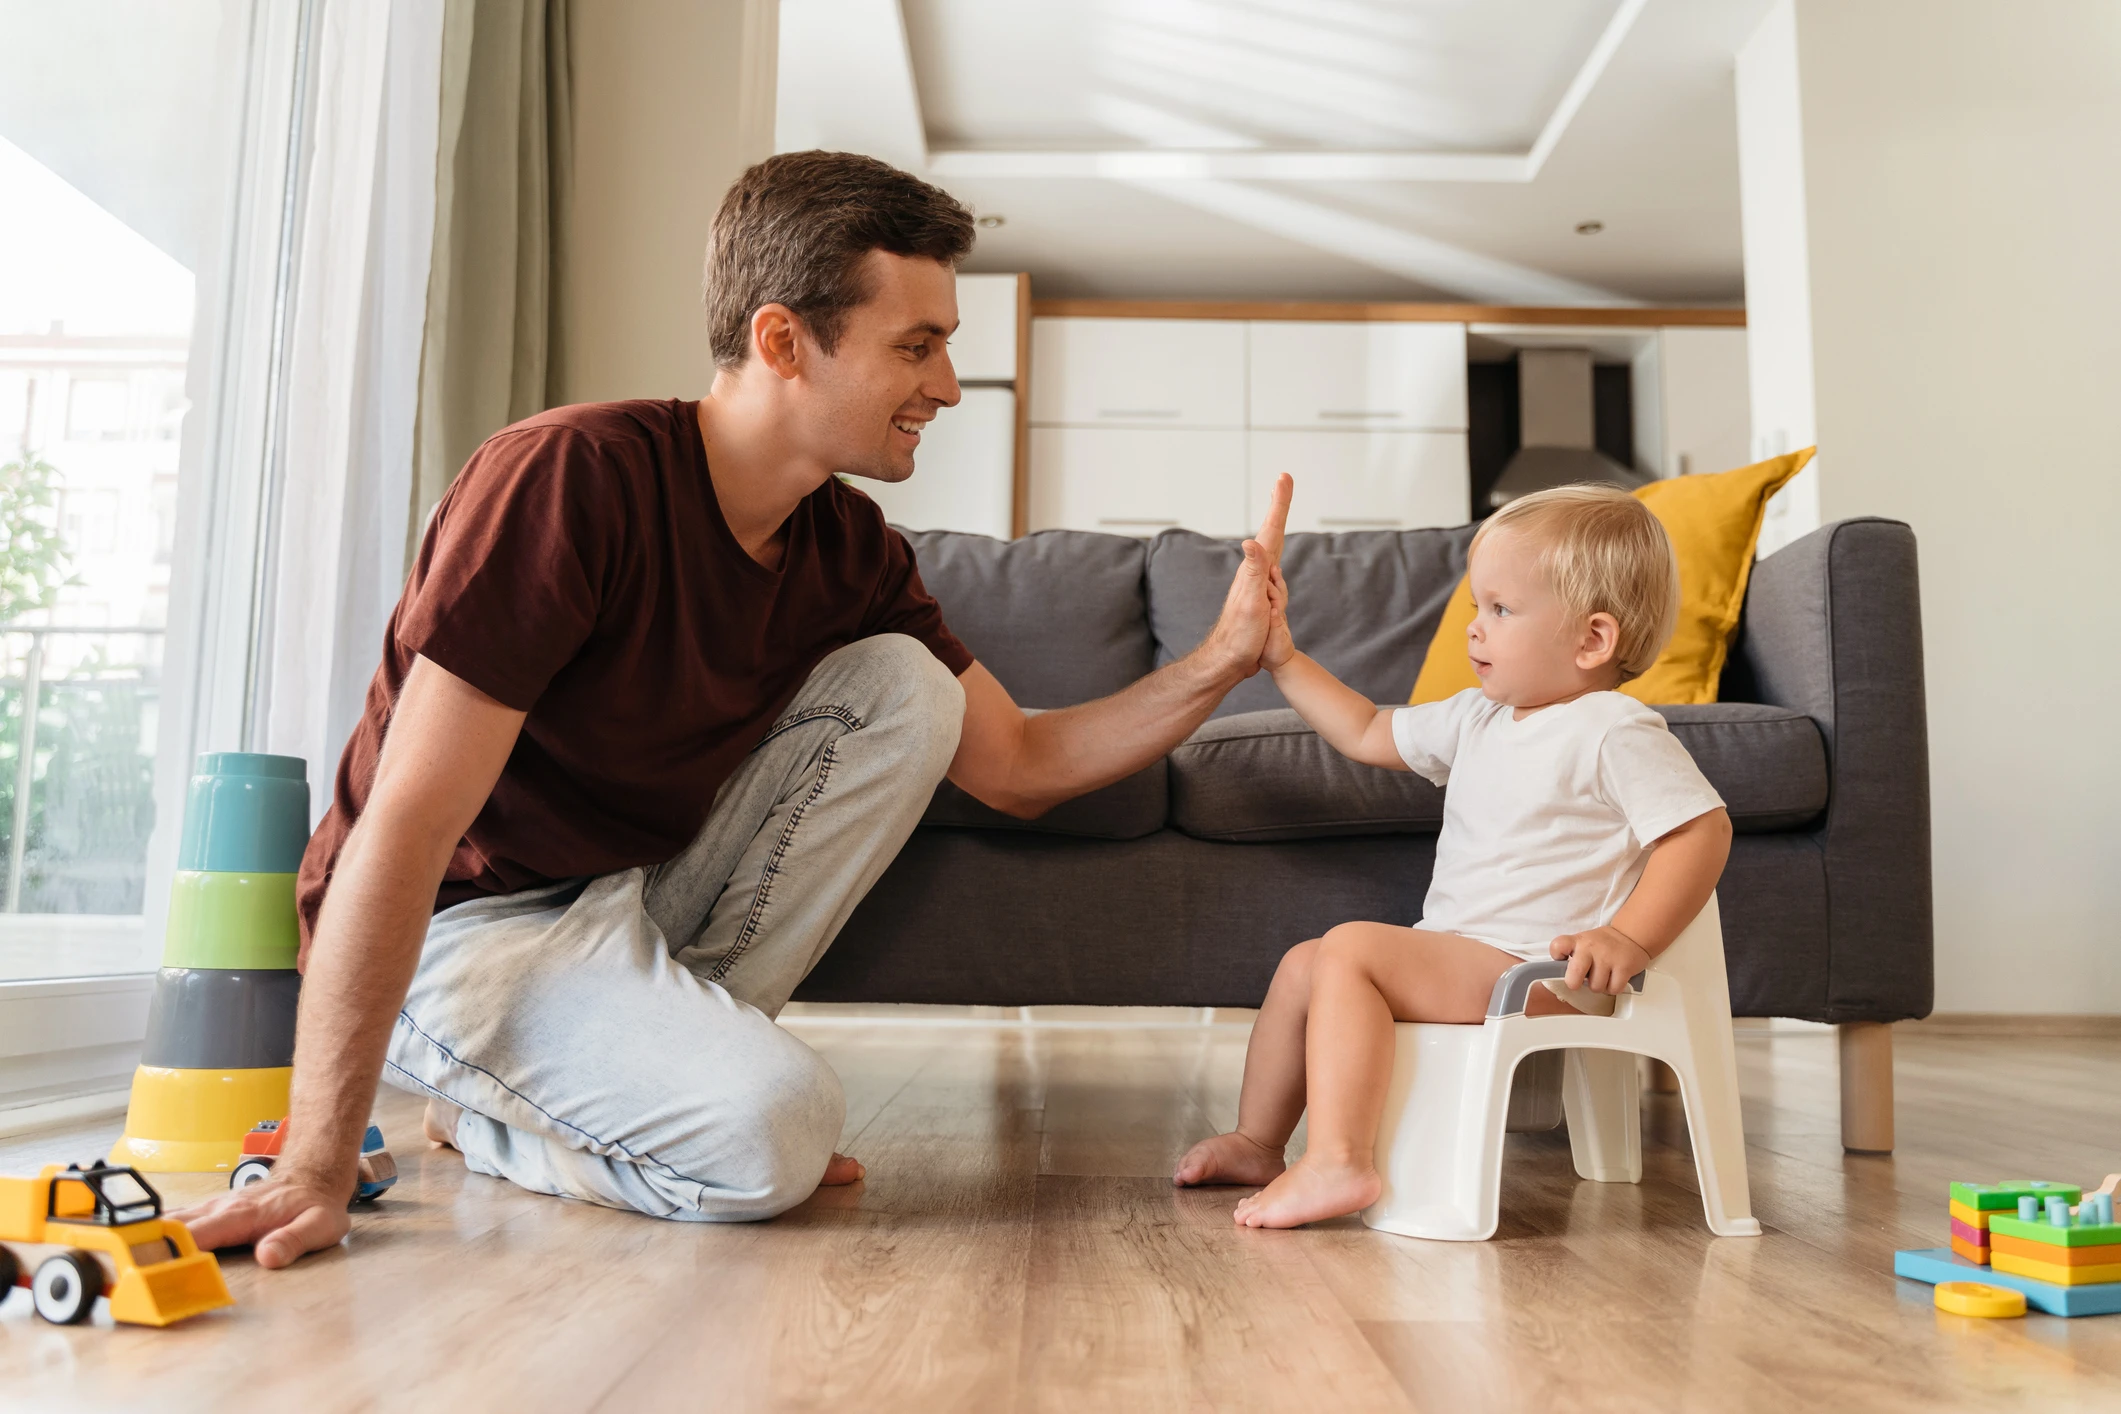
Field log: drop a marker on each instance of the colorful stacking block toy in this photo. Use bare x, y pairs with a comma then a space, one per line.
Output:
1973, 1204
2054, 1242
220, 1041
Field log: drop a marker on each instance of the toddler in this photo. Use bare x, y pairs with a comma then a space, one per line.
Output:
1575, 826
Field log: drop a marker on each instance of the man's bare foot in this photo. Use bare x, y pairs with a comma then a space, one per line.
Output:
1228, 1158
1310, 1192
439, 1123
842, 1170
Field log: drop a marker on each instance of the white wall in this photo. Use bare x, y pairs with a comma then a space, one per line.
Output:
672, 99
1777, 269
1959, 169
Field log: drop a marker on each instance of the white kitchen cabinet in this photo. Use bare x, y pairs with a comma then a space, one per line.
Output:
1137, 481
1358, 376
983, 350
1362, 481
1707, 401
964, 471
1165, 373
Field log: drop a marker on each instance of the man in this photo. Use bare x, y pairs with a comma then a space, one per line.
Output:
662, 699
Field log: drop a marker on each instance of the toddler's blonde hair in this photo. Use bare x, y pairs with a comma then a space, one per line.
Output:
1602, 551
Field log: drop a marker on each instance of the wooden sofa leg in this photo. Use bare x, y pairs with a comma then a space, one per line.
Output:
1867, 1087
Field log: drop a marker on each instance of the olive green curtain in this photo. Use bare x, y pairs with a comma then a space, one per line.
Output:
503, 169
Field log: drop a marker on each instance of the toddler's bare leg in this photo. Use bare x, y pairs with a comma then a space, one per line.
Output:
1272, 1099
1366, 976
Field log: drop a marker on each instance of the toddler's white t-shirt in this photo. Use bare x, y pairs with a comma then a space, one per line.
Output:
1547, 821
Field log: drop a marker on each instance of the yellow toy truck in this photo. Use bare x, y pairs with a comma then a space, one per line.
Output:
71, 1235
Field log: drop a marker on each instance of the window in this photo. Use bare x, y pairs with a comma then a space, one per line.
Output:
147, 155
97, 409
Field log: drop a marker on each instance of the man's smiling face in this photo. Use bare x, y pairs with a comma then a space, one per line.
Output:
877, 391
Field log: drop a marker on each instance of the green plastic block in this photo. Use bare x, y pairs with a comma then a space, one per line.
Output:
1987, 1197
2087, 1235
239, 921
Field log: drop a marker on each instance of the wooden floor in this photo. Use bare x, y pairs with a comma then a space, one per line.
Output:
1018, 1247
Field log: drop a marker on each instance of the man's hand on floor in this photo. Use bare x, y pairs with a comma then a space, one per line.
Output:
281, 1218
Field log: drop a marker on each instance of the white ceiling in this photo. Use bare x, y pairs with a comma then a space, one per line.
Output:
1357, 74
1349, 149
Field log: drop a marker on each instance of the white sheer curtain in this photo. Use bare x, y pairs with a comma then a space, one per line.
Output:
338, 518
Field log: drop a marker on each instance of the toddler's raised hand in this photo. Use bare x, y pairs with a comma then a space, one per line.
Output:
1604, 959
1280, 646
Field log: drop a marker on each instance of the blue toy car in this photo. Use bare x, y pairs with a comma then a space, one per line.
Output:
261, 1149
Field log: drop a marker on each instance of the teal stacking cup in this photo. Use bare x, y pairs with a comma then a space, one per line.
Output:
247, 813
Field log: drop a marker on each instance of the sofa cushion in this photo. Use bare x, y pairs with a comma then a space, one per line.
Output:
1266, 776
1365, 603
1768, 763
1058, 617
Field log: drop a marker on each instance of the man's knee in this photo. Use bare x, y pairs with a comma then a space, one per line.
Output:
798, 1107
916, 692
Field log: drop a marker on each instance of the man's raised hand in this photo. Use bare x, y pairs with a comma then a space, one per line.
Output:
1275, 524
1239, 637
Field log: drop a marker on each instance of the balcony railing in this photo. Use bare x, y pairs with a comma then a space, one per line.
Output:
77, 753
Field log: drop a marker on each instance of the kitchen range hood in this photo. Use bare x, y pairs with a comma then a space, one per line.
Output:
1556, 441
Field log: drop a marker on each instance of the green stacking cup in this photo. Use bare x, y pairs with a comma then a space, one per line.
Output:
247, 813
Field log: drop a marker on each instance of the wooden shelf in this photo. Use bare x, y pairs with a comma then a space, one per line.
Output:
1629, 317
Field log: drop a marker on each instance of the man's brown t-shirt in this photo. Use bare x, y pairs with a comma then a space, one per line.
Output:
580, 570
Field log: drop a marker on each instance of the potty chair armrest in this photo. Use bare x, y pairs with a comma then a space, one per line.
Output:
1514, 988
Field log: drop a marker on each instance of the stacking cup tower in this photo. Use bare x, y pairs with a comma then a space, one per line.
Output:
220, 1044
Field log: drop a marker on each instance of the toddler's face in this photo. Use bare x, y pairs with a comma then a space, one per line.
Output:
1527, 648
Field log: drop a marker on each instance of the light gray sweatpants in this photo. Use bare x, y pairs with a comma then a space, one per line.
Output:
613, 1039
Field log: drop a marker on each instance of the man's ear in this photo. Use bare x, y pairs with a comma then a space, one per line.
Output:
1600, 641
776, 339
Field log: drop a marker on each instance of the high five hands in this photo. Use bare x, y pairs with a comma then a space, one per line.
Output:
1253, 625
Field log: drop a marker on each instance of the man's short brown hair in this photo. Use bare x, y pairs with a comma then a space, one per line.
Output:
794, 231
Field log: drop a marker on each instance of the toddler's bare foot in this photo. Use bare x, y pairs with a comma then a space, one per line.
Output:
1311, 1192
439, 1123
842, 1170
1228, 1158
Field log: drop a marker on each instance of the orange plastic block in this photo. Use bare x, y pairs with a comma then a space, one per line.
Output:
2105, 1255
1969, 1251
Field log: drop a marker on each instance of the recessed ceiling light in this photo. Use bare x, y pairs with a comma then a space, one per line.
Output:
990, 222
1589, 228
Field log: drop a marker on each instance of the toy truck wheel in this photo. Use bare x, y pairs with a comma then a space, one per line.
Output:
66, 1287
250, 1171
10, 1272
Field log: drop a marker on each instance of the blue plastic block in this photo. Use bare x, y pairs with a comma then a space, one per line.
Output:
1935, 1264
2057, 1212
2106, 1207
246, 813
2028, 1209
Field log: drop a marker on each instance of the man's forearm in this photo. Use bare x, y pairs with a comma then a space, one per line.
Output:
367, 945
1076, 749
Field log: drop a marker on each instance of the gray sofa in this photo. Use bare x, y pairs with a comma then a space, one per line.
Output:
1184, 884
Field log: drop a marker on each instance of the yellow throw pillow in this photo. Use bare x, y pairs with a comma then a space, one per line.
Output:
1714, 523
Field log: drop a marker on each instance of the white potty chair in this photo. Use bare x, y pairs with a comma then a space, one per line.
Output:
1439, 1148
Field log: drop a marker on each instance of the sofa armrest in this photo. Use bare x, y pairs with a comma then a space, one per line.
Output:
1833, 628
